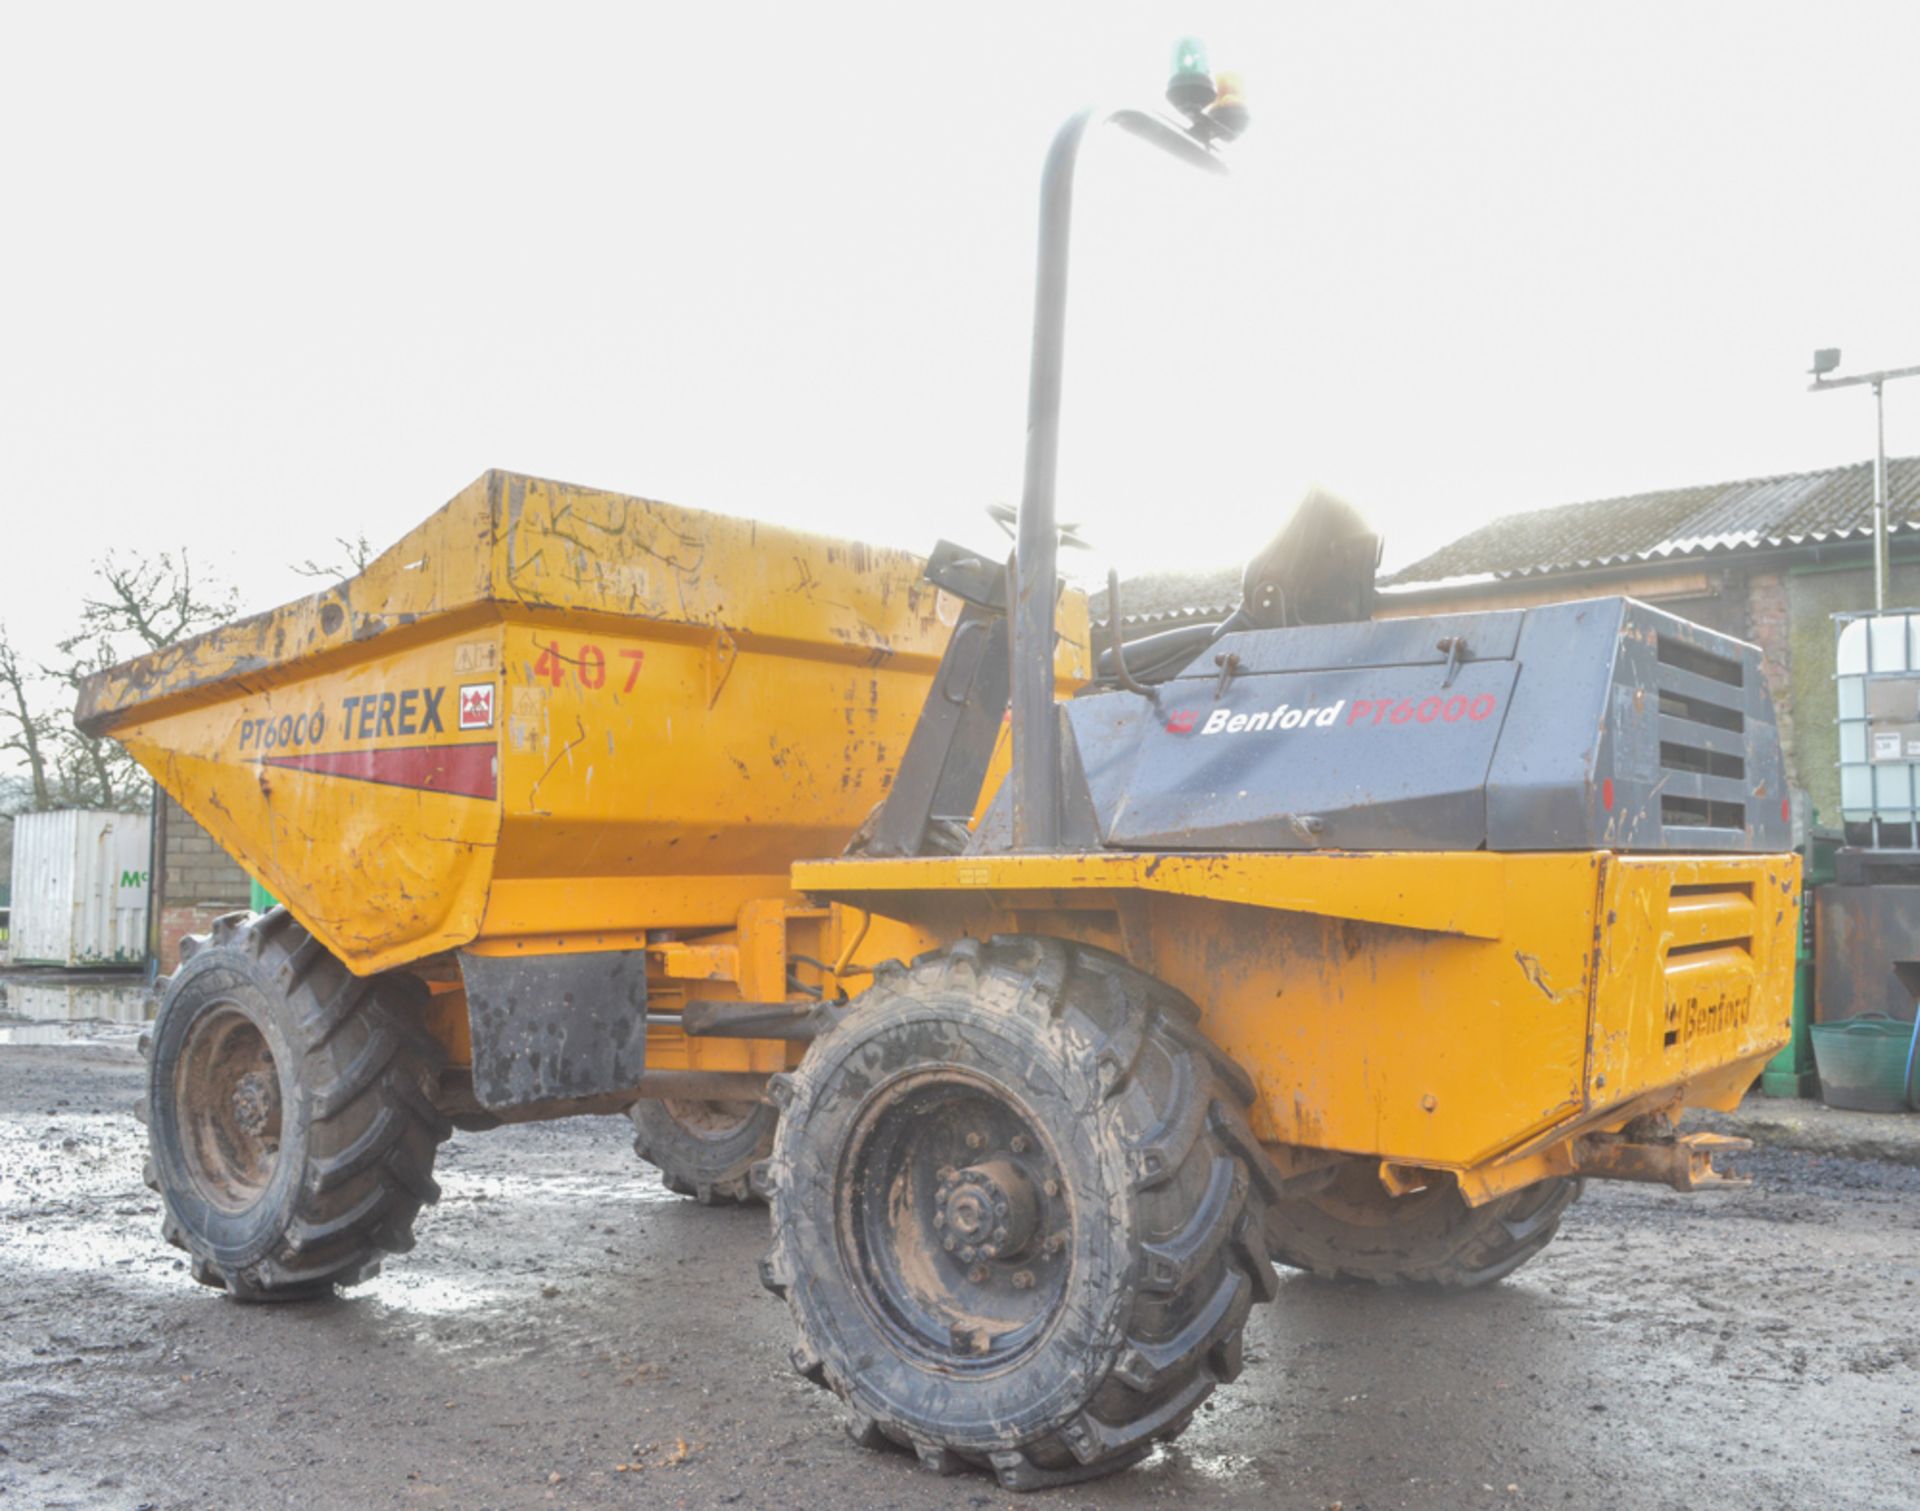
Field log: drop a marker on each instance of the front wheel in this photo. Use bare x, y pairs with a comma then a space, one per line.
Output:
1353, 1229
290, 1122
1019, 1217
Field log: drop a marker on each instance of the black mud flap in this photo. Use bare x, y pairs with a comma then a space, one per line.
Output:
550, 1028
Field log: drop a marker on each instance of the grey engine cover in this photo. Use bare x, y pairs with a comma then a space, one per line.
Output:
1602, 724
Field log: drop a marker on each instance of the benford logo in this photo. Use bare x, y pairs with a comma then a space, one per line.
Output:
1369, 711
1220, 721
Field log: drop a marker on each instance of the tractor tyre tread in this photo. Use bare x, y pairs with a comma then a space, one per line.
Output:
1179, 1108
1450, 1247
715, 1171
365, 1070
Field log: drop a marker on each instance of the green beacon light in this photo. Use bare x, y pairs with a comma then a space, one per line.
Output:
1190, 90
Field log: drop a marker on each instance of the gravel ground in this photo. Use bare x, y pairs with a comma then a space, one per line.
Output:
568, 1334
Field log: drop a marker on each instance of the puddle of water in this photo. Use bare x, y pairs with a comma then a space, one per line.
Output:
57, 1008
1219, 1468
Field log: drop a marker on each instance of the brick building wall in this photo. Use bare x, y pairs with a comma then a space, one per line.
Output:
198, 881
1770, 626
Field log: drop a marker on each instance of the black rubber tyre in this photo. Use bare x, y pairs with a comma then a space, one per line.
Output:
1354, 1230
1054, 1113
290, 1123
706, 1150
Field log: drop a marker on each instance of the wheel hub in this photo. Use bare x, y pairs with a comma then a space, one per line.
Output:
959, 1217
989, 1208
256, 1103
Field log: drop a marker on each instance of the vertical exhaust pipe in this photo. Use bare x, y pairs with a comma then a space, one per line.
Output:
1038, 809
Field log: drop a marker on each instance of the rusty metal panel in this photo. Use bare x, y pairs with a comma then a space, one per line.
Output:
550, 1028
1866, 951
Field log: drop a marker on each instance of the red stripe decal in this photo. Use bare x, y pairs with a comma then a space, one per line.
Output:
463, 770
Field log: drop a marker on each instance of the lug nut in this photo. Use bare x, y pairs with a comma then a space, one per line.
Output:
948, 1242
976, 1141
1018, 1144
939, 1219
1000, 1207
969, 1253
1050, 1186
1023, 1280
999, 1235
978, 1274
946, 1174
989, 1251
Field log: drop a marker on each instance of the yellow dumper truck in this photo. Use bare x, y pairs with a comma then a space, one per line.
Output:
1049, 991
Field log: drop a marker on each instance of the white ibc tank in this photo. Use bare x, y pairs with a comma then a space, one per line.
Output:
1878, 682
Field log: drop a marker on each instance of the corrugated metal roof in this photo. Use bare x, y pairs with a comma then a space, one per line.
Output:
1159, 600
1797, 509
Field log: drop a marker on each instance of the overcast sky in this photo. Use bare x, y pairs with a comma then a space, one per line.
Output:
271, 275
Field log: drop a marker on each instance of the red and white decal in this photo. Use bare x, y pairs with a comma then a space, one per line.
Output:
476, 705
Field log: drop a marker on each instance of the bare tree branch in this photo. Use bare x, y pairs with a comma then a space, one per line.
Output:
138, 605
29, 732
154, 600
90, 772
355, 554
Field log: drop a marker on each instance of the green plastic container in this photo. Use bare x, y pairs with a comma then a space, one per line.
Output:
1791, 1072
1863, 1063
262, 898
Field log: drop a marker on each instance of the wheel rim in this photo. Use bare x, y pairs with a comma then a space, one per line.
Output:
227, 1090
958, 1220
712, 1121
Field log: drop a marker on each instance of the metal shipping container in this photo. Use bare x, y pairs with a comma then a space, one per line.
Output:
80, 888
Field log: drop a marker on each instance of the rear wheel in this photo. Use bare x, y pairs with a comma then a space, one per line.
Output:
706, 1150
290, 1122
1353, 1229
1018, 1214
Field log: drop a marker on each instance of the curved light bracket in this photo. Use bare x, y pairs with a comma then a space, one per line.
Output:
1037, 805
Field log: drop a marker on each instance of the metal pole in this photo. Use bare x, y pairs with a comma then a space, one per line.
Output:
1035, 778
1880, 551
1879, 500
1036, 733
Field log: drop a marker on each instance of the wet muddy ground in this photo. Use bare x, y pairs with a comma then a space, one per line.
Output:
567, 1334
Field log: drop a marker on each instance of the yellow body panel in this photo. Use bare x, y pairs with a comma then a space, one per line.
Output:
548, 712
1438, 1010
